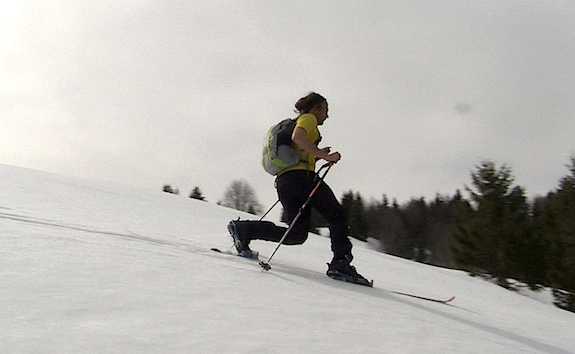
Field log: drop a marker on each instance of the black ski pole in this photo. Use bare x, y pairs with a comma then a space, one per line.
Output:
270, 209
266, 265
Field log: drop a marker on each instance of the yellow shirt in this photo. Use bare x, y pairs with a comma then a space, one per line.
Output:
307, 122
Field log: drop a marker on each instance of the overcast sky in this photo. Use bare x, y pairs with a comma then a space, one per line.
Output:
182, 92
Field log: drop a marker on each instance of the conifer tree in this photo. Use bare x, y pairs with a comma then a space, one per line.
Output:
197, 194
168, 189
416, 223
386, 223
496, 225
355, 210
559, 219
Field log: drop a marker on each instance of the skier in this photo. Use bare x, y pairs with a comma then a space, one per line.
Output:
294, 185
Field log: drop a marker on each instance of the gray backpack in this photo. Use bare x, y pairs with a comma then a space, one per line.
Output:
279, 151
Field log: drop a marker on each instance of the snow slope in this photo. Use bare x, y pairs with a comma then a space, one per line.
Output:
92, 267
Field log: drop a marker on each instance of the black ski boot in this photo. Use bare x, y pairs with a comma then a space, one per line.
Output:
241, 242
341, 269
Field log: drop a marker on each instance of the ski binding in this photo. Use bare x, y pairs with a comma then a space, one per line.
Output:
349, 279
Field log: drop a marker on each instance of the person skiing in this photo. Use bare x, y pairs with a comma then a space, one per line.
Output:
294, 184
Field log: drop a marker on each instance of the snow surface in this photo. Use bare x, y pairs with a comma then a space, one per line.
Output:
92, 267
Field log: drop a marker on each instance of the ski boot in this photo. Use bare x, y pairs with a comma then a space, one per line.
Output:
342, 270
241, 242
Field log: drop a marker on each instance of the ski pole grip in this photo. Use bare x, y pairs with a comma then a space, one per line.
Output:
328, 165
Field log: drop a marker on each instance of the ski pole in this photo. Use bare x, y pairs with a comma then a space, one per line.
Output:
270, 209
266, 265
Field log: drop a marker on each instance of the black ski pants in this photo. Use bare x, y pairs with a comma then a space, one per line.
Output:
293, 188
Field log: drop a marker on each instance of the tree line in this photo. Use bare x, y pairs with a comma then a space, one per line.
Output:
493, 231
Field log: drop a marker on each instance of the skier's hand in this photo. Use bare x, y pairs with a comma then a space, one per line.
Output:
334, 157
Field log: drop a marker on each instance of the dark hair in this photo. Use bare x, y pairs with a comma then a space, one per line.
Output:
305, 104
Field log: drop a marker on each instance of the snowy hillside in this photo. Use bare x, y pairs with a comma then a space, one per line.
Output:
90, 267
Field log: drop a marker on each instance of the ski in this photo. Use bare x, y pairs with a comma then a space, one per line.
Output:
441, 301
253, 255
245, 254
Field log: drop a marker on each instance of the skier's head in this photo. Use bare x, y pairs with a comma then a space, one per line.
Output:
315, 104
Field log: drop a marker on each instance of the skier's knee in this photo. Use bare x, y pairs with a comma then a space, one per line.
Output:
296, 238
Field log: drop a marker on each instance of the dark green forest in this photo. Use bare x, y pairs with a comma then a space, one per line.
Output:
491, 230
